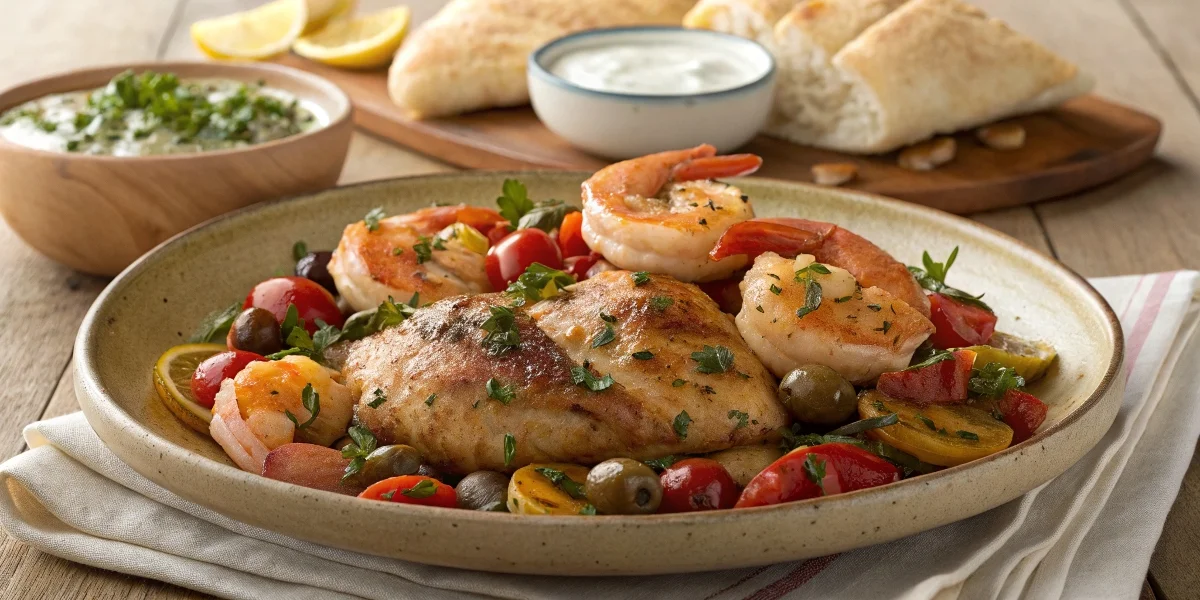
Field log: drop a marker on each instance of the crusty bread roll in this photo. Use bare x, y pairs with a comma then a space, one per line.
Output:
870, 76
472, 54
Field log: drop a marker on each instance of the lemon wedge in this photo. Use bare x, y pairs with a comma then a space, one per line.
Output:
364, 42
321, 12
255, 34
173, 382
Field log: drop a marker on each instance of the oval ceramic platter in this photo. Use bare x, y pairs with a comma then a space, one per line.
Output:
155, 304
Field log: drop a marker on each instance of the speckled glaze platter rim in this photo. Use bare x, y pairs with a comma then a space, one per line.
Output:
187, 473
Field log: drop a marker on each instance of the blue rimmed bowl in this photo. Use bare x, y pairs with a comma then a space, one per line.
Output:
623, 125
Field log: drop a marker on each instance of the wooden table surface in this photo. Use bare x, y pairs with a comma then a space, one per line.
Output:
1143, 52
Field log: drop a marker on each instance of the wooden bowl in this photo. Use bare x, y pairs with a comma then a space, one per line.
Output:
99, 213
160, 299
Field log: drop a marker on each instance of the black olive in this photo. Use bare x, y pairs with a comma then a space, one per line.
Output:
816, 394
623, 486
255, 330
483, 490
315, 266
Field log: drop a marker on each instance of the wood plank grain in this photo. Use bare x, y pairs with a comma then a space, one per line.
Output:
1173, 27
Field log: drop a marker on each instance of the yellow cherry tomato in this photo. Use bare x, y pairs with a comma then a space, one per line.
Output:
531, 491
939, 434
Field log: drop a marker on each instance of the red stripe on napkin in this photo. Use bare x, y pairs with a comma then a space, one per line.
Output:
799, 576
1145, 321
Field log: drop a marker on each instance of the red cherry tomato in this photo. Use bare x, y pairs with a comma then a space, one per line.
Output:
1023, 412
697, 484
509, 258
499, 231
940, 383
844, 467
959, 324
725, 292
312, 301
207, 378
412, 489
577, 266
570, 236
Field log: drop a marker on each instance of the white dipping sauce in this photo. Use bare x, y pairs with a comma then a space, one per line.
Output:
656, 68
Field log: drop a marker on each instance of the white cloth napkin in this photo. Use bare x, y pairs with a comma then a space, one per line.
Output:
1087, 534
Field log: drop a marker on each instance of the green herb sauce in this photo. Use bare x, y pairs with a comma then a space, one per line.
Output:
157, 113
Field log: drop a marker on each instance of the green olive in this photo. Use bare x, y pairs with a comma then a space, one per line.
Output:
816, 394
623, 486
483, 490
391, 461
255, 330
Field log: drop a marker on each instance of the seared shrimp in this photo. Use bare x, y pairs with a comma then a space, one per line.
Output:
662, 213
408, 255
829, 244
859, 332
250, 417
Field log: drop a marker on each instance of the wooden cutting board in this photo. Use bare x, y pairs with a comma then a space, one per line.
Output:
1086, 142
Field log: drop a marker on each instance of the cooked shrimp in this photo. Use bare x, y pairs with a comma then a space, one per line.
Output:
829, 244
405, 255
859, 332
662, 213
250, 415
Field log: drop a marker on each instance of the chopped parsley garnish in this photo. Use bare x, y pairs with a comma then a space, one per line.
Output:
743, 419
774, 276
388, 314
887, 325
538, 283
363, 444
216, 324
388, 495
933, 278
510, 448
423, 249
680, 424
607, 318
967, 435
661, 464
679, 383
397, 251
806, 272
588, 510
499, 392
299, 250
439, 243
713, 359
547, 216
812, 298
643, 355
583, 377
312, 403
424, 489
875, 307
843, 299
814, 469
935, 358
502, 334
430, 399
604, 336
759, 308
560, 479
993, 380
523, 213
372, 218
640, 277
661, 303
377, 398
867, 424
926, 420
776, 289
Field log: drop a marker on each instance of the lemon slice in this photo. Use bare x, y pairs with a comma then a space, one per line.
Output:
254, 34
1029, 359
321, 12
364, 42
173, 382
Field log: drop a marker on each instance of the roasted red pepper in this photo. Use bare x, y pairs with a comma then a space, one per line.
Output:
943, 382
1023, 412
958, 324
817, 471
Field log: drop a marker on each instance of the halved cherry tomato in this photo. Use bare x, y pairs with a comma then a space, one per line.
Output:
1023, 412
207, 378
570, 236
959, 324
697, 484
577, 266
499, 231
511, 256
943, 382
412, 489
832, 469
312, 301
725, 292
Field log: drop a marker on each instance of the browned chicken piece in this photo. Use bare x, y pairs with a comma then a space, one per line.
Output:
434, 372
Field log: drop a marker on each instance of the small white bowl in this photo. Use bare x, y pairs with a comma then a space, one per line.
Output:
622, 125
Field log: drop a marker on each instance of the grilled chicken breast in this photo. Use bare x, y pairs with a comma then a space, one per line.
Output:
434, 372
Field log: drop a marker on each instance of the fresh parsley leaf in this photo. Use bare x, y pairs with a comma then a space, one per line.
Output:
814, 469
430, 399
812, 297
582, 376
643, 355
842, 299
776, 289
935, 358
680, 424
373, 217
679, 383
993, 380
661, 464
887, 325
362, 445
502, 334
299, 250
423, 249
640, 277
604, 336
377, 398
661, 303
588, 510
514, 201
397, 251
806, 272
388, 314
216, 324
291, 320
499, 392
933, 278
538, 283
312, 403
326, 336
510, 448
560, 479
718, 359
967, 435
546, 216
759, 308
866, 424
424, 489
743, 419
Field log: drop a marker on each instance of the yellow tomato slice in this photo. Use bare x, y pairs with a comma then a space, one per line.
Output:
939, 434
532, 493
